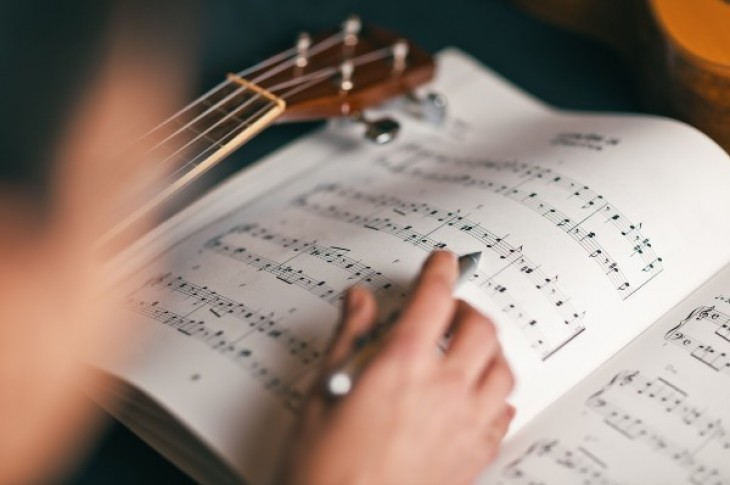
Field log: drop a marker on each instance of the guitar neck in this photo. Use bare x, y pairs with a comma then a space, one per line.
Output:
199, 136
209, 129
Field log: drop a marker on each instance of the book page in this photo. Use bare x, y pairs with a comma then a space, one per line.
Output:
655, 413
591, 227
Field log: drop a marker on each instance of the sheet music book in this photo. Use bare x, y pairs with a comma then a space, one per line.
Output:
605, 268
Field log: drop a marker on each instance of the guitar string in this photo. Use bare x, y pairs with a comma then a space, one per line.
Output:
222, 120
222, 140
217, 143
358, 61
324, 73
324, 45
283, 64
202, 115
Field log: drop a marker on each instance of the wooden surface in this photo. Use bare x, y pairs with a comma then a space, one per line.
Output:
679, 49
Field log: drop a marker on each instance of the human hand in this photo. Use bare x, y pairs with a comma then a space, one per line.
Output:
416, 415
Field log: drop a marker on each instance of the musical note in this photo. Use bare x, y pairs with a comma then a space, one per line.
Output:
704, 324
547, 337
647, 411
548, 461
255, 320
526, 184
360, 273
283, 272
331, 290
586, 239
346, 204
235, 349
589, 141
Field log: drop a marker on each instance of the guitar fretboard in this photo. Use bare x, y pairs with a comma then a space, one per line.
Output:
219, 121
199, 136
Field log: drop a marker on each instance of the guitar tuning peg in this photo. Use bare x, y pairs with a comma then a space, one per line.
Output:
304, 42
379, 131
431, 107
351, 29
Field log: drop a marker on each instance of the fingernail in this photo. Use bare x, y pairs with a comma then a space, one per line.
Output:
446, 254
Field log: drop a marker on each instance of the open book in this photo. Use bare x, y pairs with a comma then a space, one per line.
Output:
601, 235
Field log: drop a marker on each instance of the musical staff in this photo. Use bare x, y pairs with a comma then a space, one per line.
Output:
359, 272
582, 214
283, 272
705, 334
671, 400
587, 240
338, 203
649, 411
221, 306
550, 462
528, 326
236, 349
334, 257
589, 141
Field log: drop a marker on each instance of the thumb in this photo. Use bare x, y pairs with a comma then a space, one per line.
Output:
358, 317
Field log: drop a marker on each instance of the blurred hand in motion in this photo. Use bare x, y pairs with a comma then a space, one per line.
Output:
416, 415
57, 312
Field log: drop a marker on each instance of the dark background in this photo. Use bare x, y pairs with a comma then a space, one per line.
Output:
41, 38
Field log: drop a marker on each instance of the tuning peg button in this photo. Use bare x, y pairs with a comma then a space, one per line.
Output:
347, 68
400, 53
351, 29
304, 42
379, 131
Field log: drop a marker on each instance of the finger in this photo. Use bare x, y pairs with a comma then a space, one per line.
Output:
431, 307
497, 430
498, 427
496, 384
474, 344
358, 317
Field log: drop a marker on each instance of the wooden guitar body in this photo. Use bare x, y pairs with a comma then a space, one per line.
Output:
680, 50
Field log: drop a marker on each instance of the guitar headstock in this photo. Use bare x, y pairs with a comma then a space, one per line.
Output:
336, 74
344, 72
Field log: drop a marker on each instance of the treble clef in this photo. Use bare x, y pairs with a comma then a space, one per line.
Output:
705, 312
